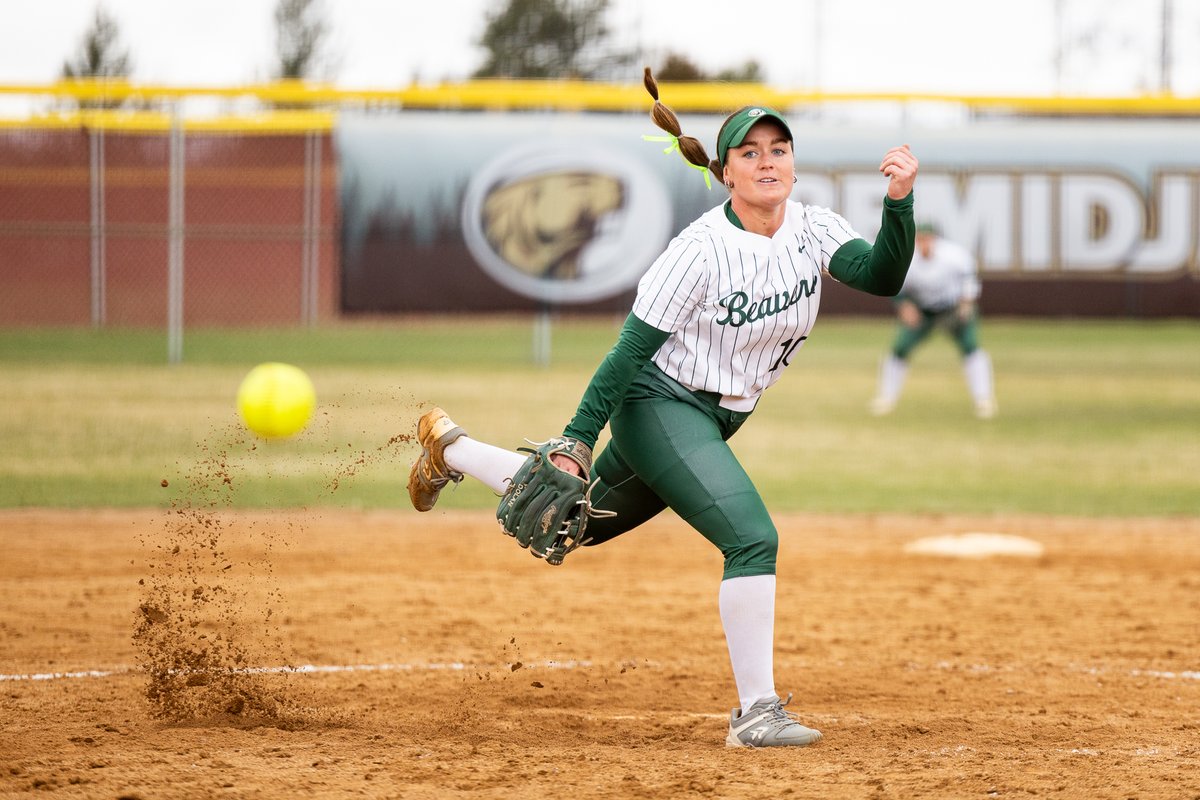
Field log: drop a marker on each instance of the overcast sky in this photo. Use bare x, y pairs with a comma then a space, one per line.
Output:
951, 46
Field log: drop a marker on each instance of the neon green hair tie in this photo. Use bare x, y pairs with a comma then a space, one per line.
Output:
674, 145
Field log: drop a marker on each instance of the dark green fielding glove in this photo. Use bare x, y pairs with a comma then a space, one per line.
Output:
544, 508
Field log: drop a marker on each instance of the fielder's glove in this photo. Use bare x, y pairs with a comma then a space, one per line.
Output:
545, 508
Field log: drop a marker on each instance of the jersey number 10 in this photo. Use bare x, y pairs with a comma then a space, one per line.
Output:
788, 346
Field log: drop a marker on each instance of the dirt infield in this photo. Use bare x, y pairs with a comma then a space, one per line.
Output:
445, 662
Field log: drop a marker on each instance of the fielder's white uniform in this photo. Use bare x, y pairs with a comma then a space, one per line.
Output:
939, 282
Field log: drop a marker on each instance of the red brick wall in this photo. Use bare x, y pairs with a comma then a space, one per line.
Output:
244, 228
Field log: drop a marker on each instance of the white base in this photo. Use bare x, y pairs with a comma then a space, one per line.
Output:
976, 545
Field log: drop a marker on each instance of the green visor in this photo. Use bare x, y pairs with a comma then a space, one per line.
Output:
735, 130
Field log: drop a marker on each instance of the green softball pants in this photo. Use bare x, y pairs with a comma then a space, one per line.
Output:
668, 450
964, 332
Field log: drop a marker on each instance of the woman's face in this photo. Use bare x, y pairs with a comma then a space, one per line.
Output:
762, 168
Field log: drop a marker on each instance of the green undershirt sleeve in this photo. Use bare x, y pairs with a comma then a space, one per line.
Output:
879, 270
635, 346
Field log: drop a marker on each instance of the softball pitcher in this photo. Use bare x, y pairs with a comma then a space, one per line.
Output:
718, 318
942, 290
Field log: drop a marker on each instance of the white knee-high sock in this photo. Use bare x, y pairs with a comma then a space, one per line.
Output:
748, 616
977, 368
485, 462
892, 371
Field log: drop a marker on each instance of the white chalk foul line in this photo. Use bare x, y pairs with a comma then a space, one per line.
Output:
1186, 675
946, 666
309, 669
55, 676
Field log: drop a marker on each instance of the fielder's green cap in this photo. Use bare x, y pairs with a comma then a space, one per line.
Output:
734, 131
928, 227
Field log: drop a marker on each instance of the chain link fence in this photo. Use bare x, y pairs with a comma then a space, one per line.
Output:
167, 224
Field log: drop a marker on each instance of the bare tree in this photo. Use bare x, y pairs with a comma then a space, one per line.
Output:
750, 72
680, 68
301, 37
551, 39
99, 54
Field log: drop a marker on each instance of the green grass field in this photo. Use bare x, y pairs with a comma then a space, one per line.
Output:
1096, 418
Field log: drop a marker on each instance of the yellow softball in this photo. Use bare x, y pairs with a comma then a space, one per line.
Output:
276, 400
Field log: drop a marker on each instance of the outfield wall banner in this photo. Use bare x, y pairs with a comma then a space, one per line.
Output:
489, 211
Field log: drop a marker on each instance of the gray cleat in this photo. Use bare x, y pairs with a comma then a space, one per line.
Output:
766, 724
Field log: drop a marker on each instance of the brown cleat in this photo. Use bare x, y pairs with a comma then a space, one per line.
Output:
429, 474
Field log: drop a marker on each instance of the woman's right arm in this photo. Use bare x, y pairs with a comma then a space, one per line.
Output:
637, 343
661, 298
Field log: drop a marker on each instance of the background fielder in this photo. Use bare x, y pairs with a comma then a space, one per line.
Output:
942, 290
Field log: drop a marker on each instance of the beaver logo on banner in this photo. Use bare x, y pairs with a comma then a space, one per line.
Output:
565, 224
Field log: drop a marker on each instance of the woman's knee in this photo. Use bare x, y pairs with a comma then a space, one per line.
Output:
754, 553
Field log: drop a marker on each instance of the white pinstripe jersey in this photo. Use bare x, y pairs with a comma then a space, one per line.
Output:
737, 304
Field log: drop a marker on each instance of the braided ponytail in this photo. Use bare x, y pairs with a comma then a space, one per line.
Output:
690, 146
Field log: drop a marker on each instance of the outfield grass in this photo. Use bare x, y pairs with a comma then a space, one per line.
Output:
1096, 418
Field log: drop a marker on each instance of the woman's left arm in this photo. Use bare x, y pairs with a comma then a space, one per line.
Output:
900, 167
881, 269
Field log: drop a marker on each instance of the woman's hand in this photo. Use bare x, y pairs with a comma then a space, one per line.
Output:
900, 166
568, 465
